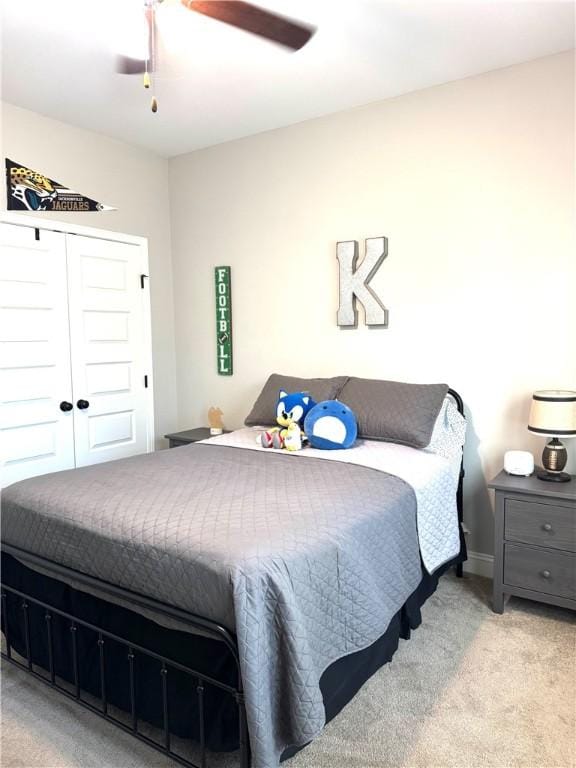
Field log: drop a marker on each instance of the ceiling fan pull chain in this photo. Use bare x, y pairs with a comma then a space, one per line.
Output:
151, 80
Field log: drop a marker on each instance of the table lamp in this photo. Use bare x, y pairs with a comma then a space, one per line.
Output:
553, 414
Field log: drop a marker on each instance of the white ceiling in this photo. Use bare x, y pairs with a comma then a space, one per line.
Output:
216, 83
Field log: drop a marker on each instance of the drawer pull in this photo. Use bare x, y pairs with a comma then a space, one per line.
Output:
545, 574
546, 527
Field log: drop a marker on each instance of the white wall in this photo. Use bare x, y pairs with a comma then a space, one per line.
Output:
473, 184
134, 181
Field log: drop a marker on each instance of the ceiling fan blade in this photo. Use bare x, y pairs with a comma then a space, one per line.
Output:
126, 65
252, 18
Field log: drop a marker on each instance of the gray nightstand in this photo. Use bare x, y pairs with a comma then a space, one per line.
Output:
189, 436
535, 540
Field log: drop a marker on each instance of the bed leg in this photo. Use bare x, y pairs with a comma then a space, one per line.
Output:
459, 570
244, 743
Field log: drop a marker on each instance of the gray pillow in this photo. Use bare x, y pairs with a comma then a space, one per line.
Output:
263, 411
394, 411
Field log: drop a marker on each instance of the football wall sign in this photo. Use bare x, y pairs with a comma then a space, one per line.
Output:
28, 190
354, 282
223, 320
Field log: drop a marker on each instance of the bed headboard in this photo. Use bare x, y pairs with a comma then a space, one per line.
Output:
460, 491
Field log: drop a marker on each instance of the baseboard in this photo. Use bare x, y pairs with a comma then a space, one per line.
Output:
479, 564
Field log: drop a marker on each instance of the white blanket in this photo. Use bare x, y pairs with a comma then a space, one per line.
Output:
433, 478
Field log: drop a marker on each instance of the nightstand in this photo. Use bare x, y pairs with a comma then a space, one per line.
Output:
189, 436
534, 540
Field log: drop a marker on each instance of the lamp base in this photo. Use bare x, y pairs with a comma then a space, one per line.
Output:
553, 477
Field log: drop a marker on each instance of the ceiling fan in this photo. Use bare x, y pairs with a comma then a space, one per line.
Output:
242, 15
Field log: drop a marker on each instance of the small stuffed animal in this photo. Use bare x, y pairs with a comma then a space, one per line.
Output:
331, 425
293, 437
291, 409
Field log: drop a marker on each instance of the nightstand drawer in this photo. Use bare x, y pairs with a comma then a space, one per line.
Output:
543, 571
546, 525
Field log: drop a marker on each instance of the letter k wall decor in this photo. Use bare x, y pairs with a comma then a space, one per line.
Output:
354, 282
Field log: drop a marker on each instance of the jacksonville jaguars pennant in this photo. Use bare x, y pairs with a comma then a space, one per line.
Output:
28, 190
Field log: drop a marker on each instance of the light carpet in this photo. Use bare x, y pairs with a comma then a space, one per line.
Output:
471, 689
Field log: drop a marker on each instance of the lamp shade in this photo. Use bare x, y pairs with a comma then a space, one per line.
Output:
553, 413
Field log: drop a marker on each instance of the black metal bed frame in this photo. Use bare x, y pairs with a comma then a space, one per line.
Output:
101, 636
195, 623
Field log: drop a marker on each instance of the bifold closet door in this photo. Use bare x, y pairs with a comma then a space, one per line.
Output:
109, 342
36, 416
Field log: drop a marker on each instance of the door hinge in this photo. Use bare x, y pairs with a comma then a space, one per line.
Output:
142, 278
146, 381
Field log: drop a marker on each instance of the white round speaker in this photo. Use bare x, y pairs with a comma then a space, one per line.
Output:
518, 463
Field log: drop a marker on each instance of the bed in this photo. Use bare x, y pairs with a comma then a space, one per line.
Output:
228, 594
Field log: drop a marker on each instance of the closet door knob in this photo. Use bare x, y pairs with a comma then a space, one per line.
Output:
546, 574
546, 527
83, 404
66, 406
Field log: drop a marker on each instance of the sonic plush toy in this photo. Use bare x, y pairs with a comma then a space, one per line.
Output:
291, 410
331, 425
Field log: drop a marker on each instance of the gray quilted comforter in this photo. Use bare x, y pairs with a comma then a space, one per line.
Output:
306, 561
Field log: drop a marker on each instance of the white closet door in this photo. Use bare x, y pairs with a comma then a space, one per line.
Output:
109, 341
36, 436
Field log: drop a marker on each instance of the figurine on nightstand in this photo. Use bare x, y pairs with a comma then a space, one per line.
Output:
215, 421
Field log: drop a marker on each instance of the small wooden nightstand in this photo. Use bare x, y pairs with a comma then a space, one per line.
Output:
534, 540
189, 436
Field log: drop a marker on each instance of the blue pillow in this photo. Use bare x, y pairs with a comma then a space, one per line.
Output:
331, 425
